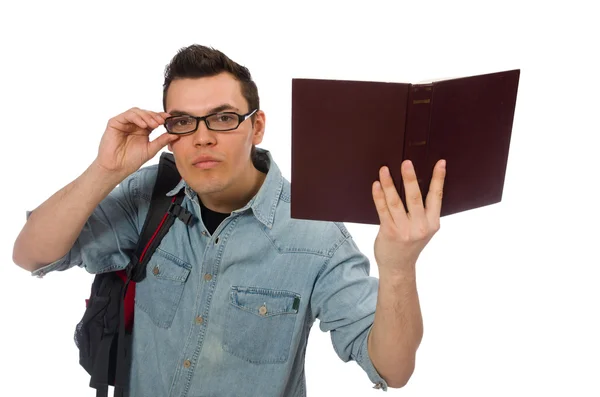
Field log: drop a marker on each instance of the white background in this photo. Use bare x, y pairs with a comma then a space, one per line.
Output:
510, 293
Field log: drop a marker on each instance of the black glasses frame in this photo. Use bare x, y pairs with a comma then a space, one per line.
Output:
241, 119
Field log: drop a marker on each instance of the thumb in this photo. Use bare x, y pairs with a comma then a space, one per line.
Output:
160, 142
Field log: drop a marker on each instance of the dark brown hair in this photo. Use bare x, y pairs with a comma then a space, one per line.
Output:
197, 61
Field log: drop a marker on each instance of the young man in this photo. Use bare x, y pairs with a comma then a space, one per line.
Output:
228, 302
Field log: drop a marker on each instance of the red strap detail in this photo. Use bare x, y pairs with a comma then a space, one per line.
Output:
129, 302
155, 232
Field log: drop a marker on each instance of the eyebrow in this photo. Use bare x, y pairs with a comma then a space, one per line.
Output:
220, 108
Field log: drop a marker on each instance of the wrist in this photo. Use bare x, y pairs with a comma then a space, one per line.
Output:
399, 276
100, 177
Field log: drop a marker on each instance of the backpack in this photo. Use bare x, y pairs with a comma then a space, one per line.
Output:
104, 334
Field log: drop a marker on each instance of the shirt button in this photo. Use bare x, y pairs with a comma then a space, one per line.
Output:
155, 271
187, 363
262, 310
378, 386
207, 277
199, 320
204, 233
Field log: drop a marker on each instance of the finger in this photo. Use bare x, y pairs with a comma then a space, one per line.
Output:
159, 117
160, 142
436, 189
147, 117
381, 204
414, 199
128, 119
394, 203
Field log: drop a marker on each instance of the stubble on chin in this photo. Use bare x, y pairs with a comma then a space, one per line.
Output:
207, 185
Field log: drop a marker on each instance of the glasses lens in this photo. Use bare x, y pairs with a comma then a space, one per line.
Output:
181, 124
223, 121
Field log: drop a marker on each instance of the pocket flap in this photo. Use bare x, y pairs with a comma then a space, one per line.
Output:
163, 266
265, 302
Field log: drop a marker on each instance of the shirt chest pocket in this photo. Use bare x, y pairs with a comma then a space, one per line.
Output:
159, 294
260, 324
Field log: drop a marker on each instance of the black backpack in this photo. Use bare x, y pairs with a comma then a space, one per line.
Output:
104, 334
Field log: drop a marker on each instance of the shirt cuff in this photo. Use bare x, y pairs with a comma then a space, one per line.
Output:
60, 264
364, 360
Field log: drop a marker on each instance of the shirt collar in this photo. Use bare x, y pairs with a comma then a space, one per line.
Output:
177, 188
264, 203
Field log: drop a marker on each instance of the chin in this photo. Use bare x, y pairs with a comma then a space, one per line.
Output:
208, 190
208, 187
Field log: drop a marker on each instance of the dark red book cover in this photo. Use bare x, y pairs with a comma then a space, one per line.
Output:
344, 131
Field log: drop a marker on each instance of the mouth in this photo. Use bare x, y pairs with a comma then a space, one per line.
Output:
206, 164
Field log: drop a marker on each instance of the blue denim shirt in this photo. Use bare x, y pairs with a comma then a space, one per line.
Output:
229, 314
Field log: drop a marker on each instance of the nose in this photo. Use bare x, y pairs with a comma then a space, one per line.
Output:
203, 136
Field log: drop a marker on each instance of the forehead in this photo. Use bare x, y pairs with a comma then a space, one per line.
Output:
199, 95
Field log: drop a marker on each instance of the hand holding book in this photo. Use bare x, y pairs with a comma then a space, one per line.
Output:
404, 234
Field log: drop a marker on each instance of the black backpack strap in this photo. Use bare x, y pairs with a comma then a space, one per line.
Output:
161, 204
161, 215
102, 391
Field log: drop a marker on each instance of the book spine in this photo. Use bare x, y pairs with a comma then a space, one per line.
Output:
416, 137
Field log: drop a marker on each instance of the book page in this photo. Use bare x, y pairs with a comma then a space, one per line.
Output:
429, 81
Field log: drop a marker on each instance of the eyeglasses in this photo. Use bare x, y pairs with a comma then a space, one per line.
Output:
222, 121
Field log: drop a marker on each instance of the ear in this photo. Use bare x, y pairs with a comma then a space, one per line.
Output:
259, 128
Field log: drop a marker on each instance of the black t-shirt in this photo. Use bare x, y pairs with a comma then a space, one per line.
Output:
211, 219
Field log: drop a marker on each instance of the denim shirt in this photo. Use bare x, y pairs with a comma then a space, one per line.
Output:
229, 313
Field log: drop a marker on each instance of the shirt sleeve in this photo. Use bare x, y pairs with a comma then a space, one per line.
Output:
110, 234
344, 300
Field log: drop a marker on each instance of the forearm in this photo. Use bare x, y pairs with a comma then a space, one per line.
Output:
54, 226
397, 329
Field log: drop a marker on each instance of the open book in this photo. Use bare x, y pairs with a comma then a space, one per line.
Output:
344, 131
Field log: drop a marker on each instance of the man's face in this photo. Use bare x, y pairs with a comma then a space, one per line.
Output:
230, 150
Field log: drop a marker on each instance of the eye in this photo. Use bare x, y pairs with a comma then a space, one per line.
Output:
224, 118
183, 122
